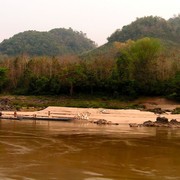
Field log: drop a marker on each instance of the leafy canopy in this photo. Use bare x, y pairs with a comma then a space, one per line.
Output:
55, 42
149, 26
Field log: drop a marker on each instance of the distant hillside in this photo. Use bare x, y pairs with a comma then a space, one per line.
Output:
55, 42
150, 26
167, 31
107, 51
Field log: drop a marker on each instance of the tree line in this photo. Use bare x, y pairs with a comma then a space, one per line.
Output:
142, 67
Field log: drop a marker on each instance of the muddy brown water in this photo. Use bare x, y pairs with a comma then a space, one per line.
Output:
73, 151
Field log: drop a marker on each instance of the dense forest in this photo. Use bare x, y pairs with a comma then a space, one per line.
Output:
142, 67
149, 26
55, 42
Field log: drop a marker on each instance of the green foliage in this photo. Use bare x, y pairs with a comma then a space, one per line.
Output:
176, 111
174, 87
149, 26
3, 77
55, 42
145, 49
70, 42
137, 66
54, 86
130, 69
38, 85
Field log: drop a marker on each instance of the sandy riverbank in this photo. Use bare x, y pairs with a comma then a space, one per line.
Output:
115, 116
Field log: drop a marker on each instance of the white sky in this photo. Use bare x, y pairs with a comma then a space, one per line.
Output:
97, 18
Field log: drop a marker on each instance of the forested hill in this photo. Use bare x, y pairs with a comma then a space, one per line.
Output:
55, 42
156, 27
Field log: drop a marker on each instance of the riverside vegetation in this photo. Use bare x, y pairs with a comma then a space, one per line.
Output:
144, 65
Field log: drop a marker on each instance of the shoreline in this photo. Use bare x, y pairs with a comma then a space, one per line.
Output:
120, 116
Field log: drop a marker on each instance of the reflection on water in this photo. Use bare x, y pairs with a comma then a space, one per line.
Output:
59, 150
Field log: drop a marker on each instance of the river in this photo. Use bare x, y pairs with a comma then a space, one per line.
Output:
72, 151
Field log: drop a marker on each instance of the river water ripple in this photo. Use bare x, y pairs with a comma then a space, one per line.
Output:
72, 151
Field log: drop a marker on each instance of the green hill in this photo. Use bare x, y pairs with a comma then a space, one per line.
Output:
55, 42
167, 31
150, 26
107, 51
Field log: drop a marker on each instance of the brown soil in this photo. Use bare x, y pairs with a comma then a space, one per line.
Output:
158, 102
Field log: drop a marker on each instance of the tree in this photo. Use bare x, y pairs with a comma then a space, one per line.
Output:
137, 65
174, 87
146, 52
72, 76
3, 77
39, 85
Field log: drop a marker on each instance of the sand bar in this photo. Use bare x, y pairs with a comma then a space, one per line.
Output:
113, 115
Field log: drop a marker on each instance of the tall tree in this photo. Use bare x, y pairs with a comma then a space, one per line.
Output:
3, 77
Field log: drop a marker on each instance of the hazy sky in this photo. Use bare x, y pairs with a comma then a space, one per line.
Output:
97, 18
